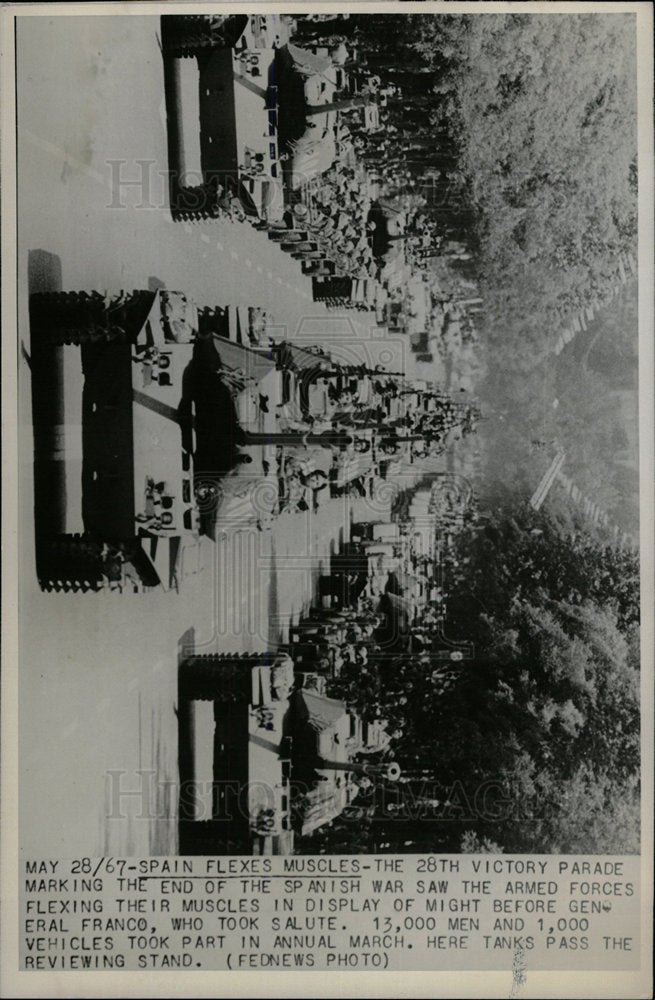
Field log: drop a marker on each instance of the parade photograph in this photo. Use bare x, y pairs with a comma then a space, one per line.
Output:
329, 443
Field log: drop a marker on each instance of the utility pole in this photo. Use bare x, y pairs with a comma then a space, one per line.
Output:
544, 487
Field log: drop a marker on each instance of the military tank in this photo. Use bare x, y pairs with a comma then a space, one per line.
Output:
246, 805
229, 160
265, 754
265, 112
116, 497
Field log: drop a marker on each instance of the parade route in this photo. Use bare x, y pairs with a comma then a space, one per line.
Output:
112, 657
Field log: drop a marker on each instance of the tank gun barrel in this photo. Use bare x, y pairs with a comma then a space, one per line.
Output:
389, 771
295, 438
348, 102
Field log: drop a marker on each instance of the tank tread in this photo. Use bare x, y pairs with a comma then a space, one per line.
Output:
300, 246
195, 203
85, 587
194, 215
212, 321
69, 586
77, 337
288, 235
79, 563
278, 233
345, 305
224, 678
207, 836
59, 318
308, 255
187, 35
77, 545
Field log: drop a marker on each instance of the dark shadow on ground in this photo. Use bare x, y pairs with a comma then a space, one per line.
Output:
219, 436
274, 637
43, 272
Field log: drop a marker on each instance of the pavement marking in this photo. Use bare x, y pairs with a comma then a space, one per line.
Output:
62, 154
204, 237
234, 255
219, 245
187, 227
260, 269
248, 262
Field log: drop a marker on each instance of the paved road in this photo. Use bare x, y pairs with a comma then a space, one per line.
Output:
98, 672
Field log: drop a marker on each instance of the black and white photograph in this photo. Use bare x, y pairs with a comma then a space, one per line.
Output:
334, 426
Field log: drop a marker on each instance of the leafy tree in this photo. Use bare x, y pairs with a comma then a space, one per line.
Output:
546, 110
547, 708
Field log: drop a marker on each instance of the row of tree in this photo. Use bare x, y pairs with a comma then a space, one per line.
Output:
533, 745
